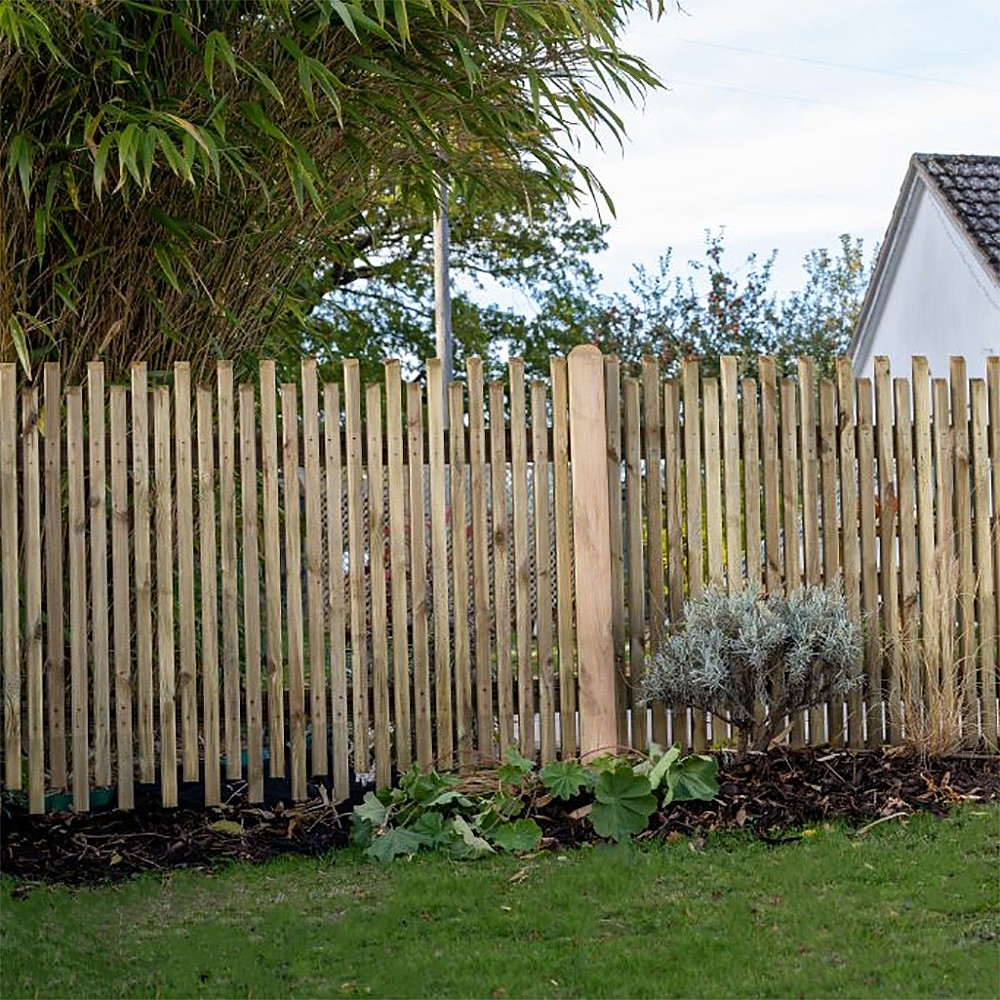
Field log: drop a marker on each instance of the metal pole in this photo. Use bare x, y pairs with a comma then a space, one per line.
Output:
442, 290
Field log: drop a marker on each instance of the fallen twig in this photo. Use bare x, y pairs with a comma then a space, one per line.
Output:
883, 819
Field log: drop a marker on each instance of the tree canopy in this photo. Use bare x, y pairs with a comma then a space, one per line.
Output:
177, 173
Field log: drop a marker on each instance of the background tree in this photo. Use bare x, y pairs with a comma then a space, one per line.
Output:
175, 173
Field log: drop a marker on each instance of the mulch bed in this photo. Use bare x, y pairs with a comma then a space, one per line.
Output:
772, 795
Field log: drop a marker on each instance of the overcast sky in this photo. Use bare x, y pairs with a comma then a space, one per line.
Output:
792, 121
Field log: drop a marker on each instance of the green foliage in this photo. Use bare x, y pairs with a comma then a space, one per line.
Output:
735, 654
624, 802
179, 170
437, 812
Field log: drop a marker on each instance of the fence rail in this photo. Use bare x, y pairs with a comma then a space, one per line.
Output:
311, 581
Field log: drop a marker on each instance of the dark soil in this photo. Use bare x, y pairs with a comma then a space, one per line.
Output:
772, 795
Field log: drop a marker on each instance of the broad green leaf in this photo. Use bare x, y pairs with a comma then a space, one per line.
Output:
395, 843
693, 777
371, 809
564, 778
624, 803
423, 787
516, 767
521, 835
470, 844
662, 767
433, 827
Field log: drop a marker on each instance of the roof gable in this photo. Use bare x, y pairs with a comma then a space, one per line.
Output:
969, 187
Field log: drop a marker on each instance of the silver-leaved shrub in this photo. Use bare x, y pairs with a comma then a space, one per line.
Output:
754, 660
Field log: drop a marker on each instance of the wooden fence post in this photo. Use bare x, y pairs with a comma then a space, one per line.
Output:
592, 550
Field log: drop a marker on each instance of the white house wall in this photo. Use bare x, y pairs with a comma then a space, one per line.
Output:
937, 301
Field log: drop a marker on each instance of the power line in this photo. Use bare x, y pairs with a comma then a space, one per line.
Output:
836, 65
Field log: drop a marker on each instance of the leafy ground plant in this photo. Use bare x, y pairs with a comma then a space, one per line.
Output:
470, 817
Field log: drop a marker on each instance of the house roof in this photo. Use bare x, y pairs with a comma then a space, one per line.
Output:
970, 186
968, 189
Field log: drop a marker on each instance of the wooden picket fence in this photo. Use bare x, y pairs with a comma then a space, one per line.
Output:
314, 580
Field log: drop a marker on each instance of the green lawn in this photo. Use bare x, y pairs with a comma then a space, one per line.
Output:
897, 911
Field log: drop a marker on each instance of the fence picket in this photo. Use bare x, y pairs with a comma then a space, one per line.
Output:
790, 522
314, 567
165, 645
636, 572
564, 557
751, 487
187, 678
143, 572
121, 591
613, 406
209, 595
460, 576
983, 567
31, 492
543, 571
993, 385
908, 592
830, 527
868, 512
397, 564
675, 538
99, 646
945, 558
732, 486
79, 701
962, 507
251, 595
443, 707
501, 564
376, 578
55, 652
770, 448
522, 557
9, 537
418, 577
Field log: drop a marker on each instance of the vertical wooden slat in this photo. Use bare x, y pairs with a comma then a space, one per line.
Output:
522, 557
339, 708
314, 567
790, 513
99, 631
731, 471
122, 593
165, 597
251, 595
888, 511
31, 492
480, 558
908, 594
930, 645
773, 559
675, 537
272, 569
564, 557
397, 565
945, 669
228, 571
751, 487
501, 564
79, 701
613, 405
419, 610
962, 504
143, 583
693, 487
810, 471
983, 571
209, 595
460, 576
293, 589
830, 525
653, 423
849, 528
591, 551
356, 565
543, 570
55, 652
867, 509
993, 384
187, 678
376, 576
713, 482
636, 573
439, 563
9, 579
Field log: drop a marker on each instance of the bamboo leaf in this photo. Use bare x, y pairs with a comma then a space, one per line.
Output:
101, 160
20, 344
19, 159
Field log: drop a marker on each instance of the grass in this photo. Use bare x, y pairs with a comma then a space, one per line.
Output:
900, 910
